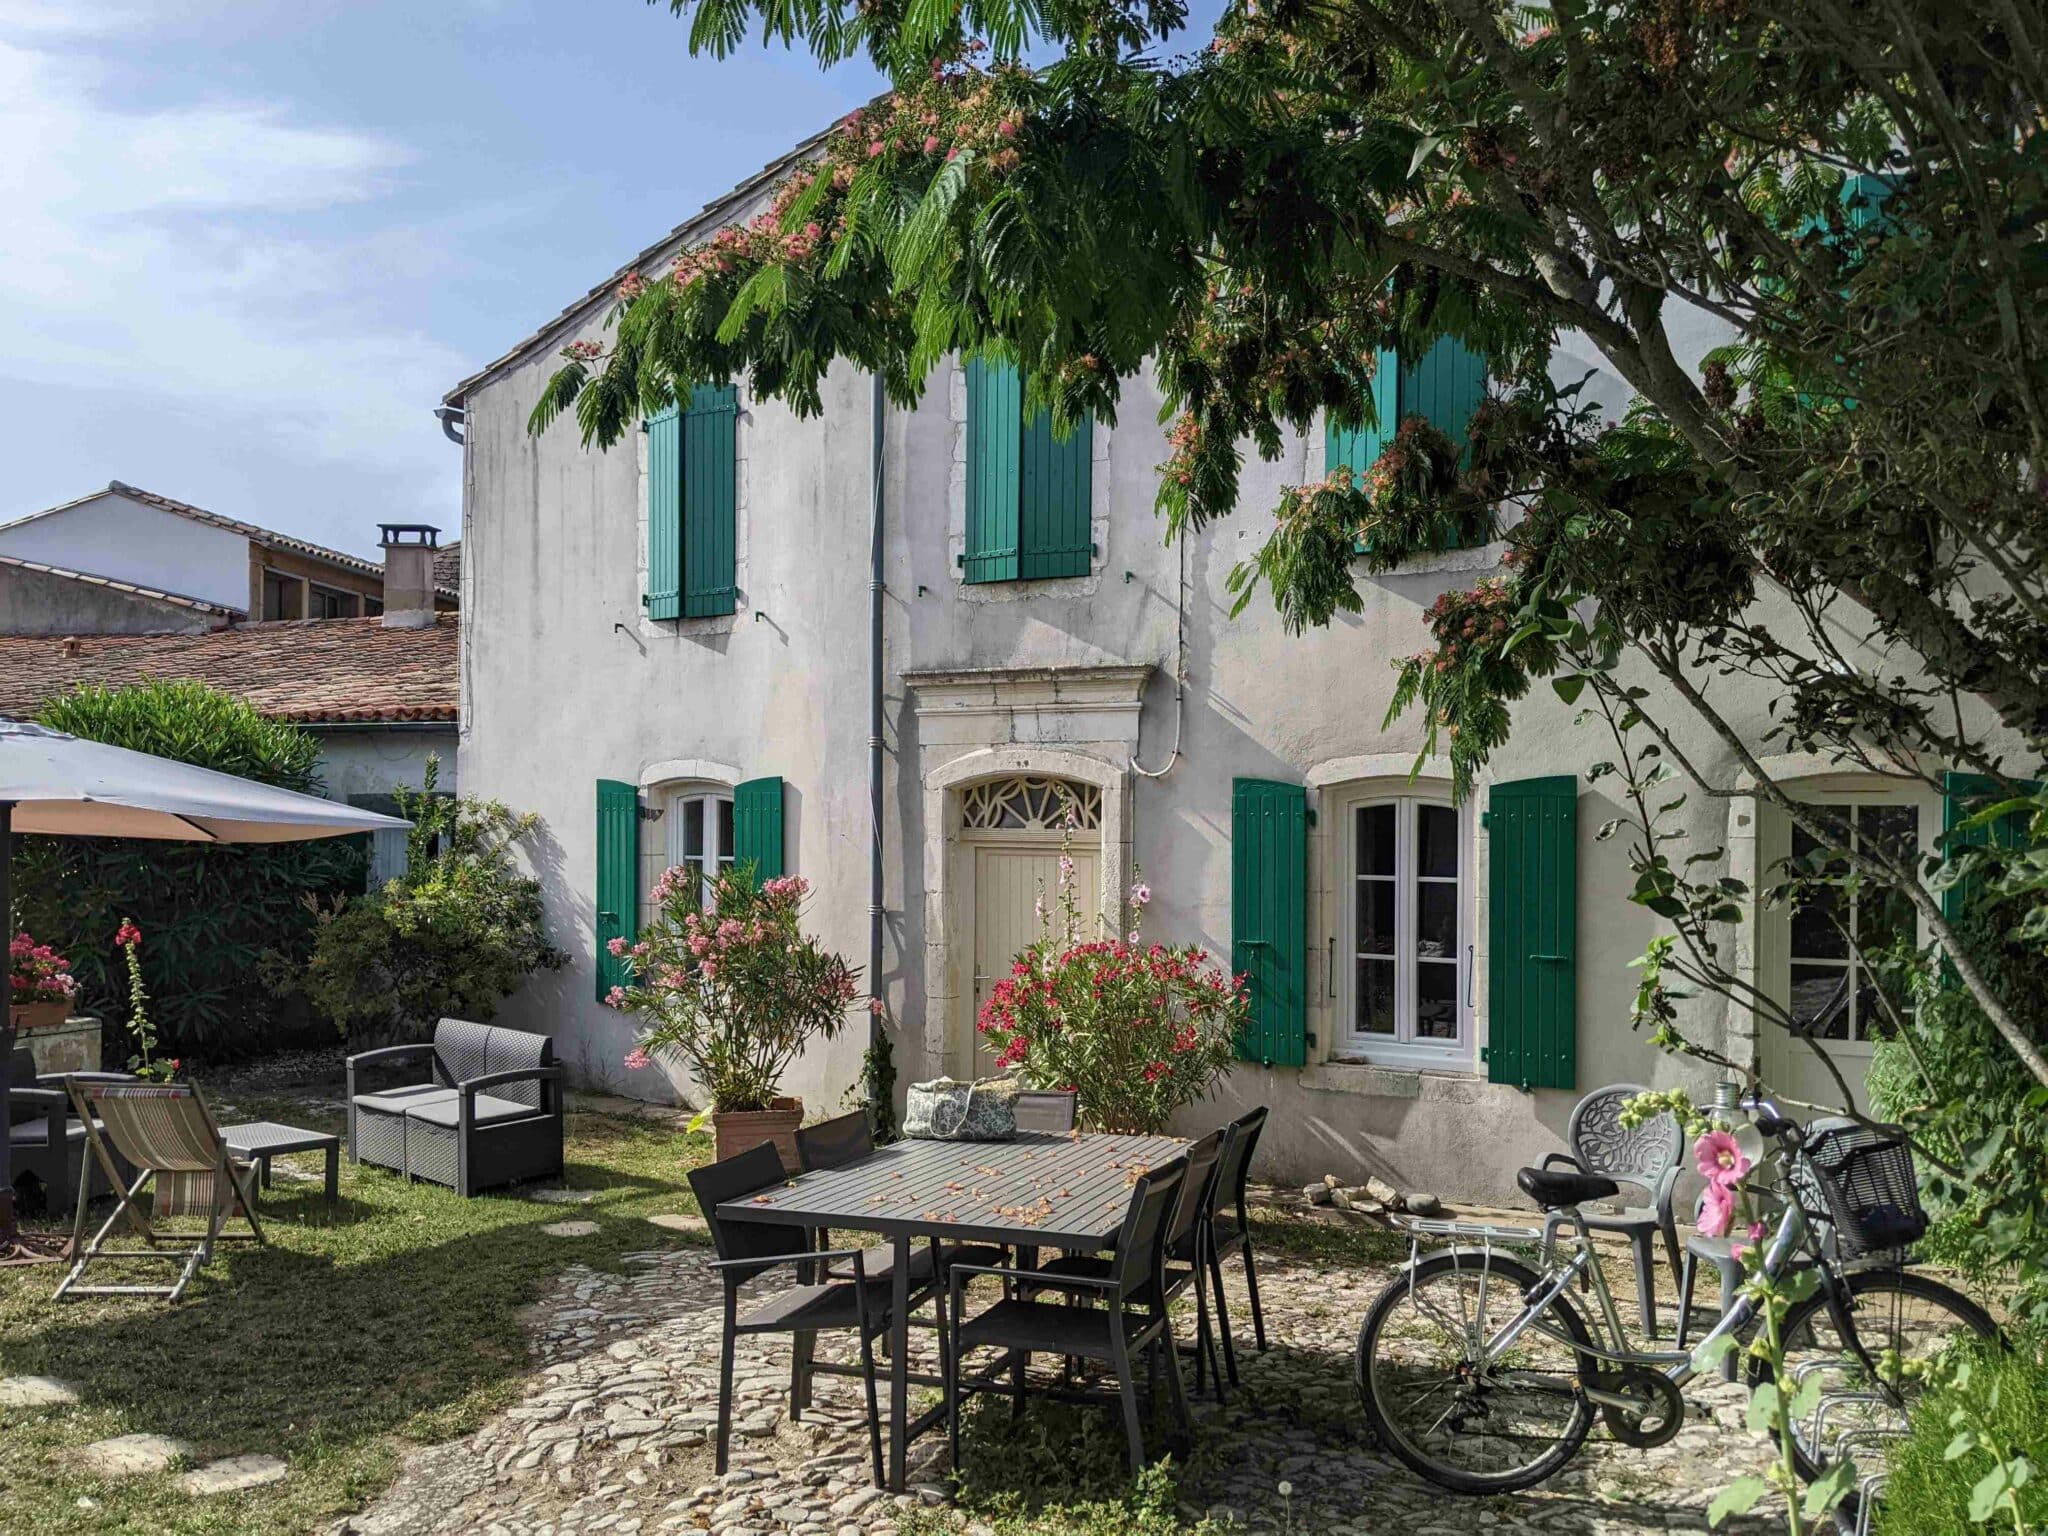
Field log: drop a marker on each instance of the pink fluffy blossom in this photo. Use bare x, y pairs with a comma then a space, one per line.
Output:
638, 1060
1719, 1160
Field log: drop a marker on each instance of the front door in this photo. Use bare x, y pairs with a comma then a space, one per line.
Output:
1009, 881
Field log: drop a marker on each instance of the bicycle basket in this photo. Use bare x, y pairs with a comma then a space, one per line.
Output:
1871, 1190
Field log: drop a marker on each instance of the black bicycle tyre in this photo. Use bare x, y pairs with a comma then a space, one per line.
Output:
1447, 1477
1861, 1282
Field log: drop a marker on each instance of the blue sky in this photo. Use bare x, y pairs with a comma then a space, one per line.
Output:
247, 246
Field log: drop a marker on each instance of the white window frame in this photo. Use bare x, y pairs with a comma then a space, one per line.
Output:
675, 800
1927, 828
1402, 1048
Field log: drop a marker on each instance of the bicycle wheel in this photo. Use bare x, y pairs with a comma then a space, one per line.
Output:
1903, 1321
1467, 1426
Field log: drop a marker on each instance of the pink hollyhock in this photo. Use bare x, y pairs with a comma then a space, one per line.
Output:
127, 933
1717, 1211
1719, 1159
637, 1059
875, 1006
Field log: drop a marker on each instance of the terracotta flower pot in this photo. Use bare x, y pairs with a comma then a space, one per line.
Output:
28, 1016
735, 1130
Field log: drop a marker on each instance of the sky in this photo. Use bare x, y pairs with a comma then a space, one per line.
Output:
249, 244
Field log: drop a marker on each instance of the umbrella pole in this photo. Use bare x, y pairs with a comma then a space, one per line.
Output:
8, 1231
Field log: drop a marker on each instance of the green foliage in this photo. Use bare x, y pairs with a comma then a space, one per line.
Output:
1978, 1456
453, 937
210, 912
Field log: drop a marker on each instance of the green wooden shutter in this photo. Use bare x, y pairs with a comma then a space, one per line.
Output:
1053, 535
618, 878
710, 501
1532, 933
1446, 387
1268, 917
1359, 447
1962, 796
757, 826
663, 597
995, 435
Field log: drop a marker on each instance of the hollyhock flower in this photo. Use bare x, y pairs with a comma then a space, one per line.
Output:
637, 1059
875, 1006
1141, 894
1719, 1159
127, 934
1717, 1211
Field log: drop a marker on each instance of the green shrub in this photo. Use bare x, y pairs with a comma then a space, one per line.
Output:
453, 936
208, 912
1945, 1478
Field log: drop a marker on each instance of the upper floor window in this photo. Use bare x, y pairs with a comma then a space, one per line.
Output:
1402, 928
1832, 995
693, 507
281, 596
1029, 491
1445, 386
327, 603
700, 831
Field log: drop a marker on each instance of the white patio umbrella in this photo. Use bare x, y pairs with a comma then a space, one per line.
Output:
65, 786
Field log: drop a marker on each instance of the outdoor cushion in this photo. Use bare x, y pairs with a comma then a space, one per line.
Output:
443, 1108
36, 1133
396, 1101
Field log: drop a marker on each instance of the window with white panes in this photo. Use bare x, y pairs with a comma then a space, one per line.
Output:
700, 831
1402, 990
1832, 995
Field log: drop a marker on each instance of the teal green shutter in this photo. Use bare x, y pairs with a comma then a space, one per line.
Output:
710, 501
1445, 387
757, 826
618, 879
995, 435
1962, 796
1268, 917
663, 597
1053, 536
1359, 447
1532, 851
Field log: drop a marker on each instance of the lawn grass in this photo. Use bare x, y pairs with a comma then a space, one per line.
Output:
385, 1321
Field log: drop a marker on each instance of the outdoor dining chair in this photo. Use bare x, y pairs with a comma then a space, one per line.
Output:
1130, 1323
1230, 1234
1647, 1156
168, 1132
749, 1250
1187, 1249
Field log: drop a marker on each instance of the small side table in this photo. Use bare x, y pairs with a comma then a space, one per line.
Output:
262, 1140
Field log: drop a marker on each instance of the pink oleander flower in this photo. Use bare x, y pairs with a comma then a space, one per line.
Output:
616, 998
1717, 1211
1719, 1159
638, 1060
616, 946
708, 970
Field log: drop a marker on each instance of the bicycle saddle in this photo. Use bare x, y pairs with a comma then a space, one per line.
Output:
1555, 1187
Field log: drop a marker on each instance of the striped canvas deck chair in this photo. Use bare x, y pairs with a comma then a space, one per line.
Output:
167, 1132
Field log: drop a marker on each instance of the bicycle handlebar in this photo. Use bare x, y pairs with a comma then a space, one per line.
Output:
1771, 1121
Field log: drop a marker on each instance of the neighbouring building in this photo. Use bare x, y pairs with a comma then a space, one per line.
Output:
148, 550
665, 654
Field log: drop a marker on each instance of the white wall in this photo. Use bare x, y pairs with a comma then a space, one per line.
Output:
110, 535
370, 759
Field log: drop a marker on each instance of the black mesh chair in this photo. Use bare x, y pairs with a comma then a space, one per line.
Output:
1187, 1249
750, 1249
1231, 1234
1046, 1109
1130, 1322
490, 1114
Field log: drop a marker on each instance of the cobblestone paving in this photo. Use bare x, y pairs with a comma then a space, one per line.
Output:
614, 1436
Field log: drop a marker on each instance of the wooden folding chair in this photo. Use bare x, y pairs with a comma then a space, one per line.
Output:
167, 1131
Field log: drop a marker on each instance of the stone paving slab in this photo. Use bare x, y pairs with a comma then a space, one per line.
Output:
613, 1435
35, 1392
233, 1475
131, 1455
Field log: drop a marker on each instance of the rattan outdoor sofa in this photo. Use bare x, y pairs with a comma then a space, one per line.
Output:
490, 1114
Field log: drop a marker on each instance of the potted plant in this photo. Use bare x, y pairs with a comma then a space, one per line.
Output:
41, 987
731, 988
1134, 1030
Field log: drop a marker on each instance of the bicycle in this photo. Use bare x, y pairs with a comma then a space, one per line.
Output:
1480, 1373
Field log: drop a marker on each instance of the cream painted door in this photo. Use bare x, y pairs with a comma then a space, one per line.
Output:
1008, 880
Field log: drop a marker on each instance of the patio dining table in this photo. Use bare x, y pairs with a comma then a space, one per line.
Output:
1042, 1190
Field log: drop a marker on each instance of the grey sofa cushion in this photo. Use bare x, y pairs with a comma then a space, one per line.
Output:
396, 1101
441, 1109
36, 1133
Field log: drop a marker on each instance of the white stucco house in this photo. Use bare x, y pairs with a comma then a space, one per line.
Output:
667, 655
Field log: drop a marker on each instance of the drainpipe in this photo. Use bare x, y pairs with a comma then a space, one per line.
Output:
451, 418
876, 508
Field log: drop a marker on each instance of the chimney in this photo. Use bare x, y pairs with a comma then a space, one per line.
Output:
409, 574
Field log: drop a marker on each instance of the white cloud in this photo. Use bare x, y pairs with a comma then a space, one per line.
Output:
231, 256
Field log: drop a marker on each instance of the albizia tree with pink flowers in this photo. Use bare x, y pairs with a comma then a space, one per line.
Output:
1136, 1030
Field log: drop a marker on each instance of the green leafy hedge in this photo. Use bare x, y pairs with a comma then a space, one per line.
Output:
1972, 1436
208, 913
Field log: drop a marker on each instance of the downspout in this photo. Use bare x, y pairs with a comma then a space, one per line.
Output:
876, 509
451, 417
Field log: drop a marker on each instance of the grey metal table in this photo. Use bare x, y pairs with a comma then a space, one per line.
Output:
1039, 1191
261, 1140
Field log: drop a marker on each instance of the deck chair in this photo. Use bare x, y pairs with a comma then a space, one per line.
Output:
168, 1133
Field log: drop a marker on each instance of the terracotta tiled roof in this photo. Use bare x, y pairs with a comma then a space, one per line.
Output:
16, 562
448, 569
306, 671
268, 538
